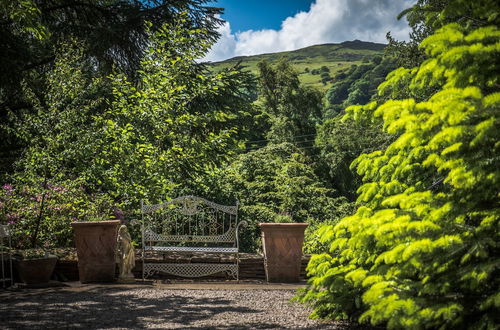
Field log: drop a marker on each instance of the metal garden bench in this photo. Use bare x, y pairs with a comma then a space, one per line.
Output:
190, 225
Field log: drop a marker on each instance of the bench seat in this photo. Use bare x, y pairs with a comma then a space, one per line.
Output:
191, 249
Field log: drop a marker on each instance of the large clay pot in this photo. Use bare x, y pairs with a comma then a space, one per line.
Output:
36, 271
95, 247
282, 243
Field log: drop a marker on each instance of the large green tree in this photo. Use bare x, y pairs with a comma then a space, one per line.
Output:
140, 142
112, 34
177, 124
422, 250
277, 183
293, 110
339, 143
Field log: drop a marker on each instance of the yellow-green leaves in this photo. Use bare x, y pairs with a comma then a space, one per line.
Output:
458, 60
423, 247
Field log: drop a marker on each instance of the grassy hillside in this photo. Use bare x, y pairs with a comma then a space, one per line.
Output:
308, 61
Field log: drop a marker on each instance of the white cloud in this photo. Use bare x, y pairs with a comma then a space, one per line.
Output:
327, 21
224, 46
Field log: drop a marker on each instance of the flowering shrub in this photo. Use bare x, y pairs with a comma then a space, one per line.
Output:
42, 213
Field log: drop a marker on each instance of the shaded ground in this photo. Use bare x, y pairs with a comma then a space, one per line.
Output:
142, 306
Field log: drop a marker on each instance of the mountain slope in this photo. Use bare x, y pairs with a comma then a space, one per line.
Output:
310, 60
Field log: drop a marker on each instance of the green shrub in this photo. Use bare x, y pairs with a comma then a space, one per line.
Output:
40, 213
277, 183
422, 250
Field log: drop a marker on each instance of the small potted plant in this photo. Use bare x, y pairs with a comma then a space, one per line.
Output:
35, 266
282, 243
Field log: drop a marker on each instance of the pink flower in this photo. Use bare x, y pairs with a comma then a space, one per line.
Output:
55, 208
8, 187
37, 198
12, 218
60, 189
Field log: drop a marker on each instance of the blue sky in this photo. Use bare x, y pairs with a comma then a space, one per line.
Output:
257, 26
259, 14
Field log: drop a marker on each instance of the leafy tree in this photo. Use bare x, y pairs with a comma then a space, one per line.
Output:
357, 86
426, 16
278, 182
48, 190
340, 142
112, 31
164, 132
176, 124
293, 110
422, 250
112, 34
434, 14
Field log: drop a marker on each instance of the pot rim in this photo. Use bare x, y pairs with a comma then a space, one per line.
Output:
95, 223
35, 259
278, 224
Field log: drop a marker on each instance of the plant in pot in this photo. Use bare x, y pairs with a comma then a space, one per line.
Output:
25, 211
42, 211
34, 266
282, 242
95, 242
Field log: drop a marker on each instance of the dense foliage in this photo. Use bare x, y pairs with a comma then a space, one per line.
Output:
357, 85
113, 108
96, 117
112, 33
173, 126
40, 213
123, 140
422, 249
293, 110
277, 183
340, 142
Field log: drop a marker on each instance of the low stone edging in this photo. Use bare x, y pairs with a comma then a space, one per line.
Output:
251, 267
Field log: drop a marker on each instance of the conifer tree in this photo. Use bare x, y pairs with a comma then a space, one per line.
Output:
423, 248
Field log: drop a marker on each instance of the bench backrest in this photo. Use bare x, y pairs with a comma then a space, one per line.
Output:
189, 219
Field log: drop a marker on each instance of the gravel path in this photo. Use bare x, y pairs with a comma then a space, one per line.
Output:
152, 307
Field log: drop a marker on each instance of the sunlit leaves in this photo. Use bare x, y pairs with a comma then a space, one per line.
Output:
422, 248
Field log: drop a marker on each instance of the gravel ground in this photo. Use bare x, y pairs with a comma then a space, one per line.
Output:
116, 307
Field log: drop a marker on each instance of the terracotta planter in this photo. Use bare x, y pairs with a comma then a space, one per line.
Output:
95, 247
282, 243
36, 271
